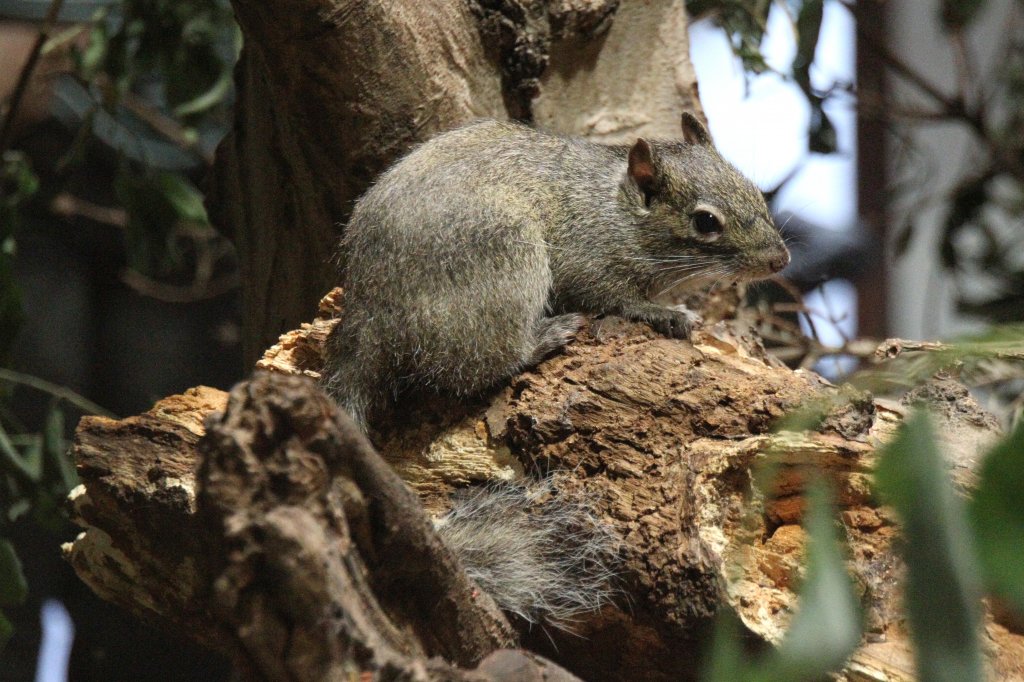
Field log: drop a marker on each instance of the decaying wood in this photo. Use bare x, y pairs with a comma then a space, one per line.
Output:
331, 92
662, 436
301, 554
321, 558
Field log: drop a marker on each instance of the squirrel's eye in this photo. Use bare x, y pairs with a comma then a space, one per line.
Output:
707, 224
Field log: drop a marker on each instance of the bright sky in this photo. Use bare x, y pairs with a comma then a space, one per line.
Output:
765, 133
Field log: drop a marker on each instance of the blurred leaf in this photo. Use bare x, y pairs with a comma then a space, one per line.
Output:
957, 14
727, 662
997, 513
12, 463
826, 628
58, 464
192, 73
13, 587
89, 59
32, 456
19, 181
966, 203
182, 196
156, 202
66, 37
18, 507
202, 101
808, 28
1000, 309
743, 22
942, 596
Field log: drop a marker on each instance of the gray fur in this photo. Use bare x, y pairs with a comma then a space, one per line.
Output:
461, 252
546, 561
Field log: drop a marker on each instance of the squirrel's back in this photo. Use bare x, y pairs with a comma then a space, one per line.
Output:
448, 263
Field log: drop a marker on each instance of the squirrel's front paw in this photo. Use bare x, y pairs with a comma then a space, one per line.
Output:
675, 323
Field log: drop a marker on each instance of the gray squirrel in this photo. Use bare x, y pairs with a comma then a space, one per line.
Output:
475, 256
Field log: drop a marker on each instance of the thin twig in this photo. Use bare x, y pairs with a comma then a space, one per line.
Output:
68, 205
11, 461
7, 127
170, 293
953, 107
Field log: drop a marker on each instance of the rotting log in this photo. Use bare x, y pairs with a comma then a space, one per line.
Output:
662, 437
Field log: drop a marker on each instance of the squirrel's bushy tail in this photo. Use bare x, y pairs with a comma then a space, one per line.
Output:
542, 556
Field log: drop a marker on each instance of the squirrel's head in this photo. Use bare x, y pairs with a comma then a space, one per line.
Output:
699, 215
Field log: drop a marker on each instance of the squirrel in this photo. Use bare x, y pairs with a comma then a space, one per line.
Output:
473, 257
476, 255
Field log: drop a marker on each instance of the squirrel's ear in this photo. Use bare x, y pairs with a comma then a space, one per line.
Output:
694, 131
641, 166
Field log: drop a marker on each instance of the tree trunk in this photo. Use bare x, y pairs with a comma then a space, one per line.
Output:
301, 541
330, 92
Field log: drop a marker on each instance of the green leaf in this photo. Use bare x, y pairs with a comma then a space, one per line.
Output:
156, 203
13, 587
20, 182
826, 628
32, 456
12, 462
182, 196
216, 94
942, 595
58, 464
808, 28
727, 662
90, 59
997, 513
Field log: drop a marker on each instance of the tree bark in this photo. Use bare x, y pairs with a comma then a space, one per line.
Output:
330, 92
663, 437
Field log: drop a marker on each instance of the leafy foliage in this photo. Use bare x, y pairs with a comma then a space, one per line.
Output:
153, 83
942, 592
13, 587
745, 22
981, 236
984, 210
151, 89
997, 516
35, 479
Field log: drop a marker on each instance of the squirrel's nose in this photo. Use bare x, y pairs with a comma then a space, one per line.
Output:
779, 262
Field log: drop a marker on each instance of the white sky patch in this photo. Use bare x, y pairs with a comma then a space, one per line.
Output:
761, 126
58, 636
